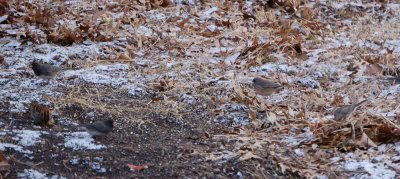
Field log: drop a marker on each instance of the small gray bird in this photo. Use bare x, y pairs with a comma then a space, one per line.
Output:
265, 87
99, 128
343, 113
45, 71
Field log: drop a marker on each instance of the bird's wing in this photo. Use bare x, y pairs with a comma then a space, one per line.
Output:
269, 84
342, 111
103, 128
272, 85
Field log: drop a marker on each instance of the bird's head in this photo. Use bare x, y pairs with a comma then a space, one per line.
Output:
257, 80
109, 123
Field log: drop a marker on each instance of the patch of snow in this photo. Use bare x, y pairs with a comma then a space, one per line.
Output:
81, 141
113, 67
28, 137
382, 148
3, 18
379, 158
188, 99
74, 161
95, 78
156, 15
211, 27
97, 167
232, 59
305, 136
190, 2
100, 159
315, 119
279, 68
18, 148
217, 50
309, 82
145, 31
322, 177
397, 148
207, 14
390, 93
65, 121
241, 120
57, 177
90, 115
17, 106
374, 170
396, 159
31, 174
135, 91
13, 43
299, 152
239, 175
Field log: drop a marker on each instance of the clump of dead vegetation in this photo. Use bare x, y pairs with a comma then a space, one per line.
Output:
241, 38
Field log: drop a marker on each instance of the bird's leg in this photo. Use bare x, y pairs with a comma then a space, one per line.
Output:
353, 131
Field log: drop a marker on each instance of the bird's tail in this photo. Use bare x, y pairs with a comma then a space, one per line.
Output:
360, 103
70, 68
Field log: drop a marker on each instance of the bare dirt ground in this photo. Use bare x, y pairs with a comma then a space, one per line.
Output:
175, 76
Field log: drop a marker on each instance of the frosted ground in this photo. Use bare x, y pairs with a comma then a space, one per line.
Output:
176, 80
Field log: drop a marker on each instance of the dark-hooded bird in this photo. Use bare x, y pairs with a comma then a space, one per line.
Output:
45, 71
265, 87
99, 128
344, 112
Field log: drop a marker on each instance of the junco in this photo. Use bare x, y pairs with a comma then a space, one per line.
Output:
344, 112
45, 71
265, 87
100, 128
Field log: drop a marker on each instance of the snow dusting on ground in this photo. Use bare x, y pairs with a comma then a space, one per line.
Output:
342, 62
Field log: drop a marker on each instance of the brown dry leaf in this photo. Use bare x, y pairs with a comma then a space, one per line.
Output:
137, 167
248, 155
65, 36
210, 34
374, 70
226, 23
271, 117
165, 84
41, 16
284, 33
183, 22
159, 3
337, 101
1, 59
373, 59
307, 13
289, 5
385, 133
283, 167
301, 113
253, 114
124, 57
142, 1
4, 165
365, 141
